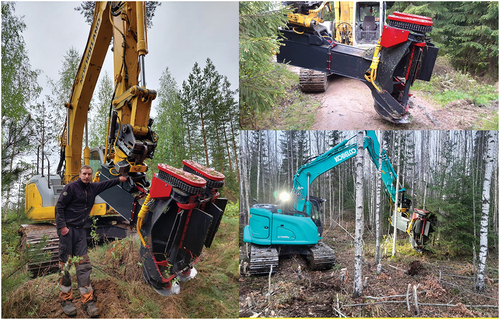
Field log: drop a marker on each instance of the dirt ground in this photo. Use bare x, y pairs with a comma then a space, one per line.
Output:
438, 281
347, 104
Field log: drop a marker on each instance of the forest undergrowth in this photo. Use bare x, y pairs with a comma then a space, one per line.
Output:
431, 284
119, 287
453, 89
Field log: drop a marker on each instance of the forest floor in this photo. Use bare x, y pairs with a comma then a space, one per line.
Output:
347, 104
121, 291
444, 285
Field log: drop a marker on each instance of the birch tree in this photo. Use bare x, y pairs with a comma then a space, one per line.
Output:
483, 233
377, 201
358, 241
395, 216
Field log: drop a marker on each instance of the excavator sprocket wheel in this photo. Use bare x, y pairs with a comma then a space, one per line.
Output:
312, 81
321, 257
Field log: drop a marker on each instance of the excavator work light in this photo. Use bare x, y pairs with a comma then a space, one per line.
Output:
284, 196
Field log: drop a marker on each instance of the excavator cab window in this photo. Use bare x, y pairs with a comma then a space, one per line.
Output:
95, 160
368, 20
317, 212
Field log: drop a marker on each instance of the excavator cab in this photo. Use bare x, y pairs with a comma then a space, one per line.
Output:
317, 213
369, 19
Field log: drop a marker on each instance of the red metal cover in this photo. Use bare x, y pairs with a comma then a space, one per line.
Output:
421, 22
393, 36
421, 211
409, 15
159, 189
182, 175
209, 173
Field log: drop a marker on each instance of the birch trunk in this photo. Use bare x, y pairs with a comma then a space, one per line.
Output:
483, 233
358, 241
395, 215
377, 202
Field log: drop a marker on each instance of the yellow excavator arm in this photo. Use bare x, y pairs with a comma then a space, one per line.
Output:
130, 139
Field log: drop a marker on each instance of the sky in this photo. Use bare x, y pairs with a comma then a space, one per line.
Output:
182, 33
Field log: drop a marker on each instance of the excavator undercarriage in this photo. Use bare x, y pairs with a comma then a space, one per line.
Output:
318, 257
403, 54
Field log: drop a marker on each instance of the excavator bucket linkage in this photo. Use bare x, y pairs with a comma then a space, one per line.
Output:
403, 54
183, 214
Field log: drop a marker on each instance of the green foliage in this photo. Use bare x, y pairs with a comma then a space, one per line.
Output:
87, 8
170, 123
448, 85
232, 210
262, 82
14, 261
19, 89
467, 31
19, 81
99, 112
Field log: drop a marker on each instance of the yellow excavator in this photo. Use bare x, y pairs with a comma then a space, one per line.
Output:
175, 214
394, 54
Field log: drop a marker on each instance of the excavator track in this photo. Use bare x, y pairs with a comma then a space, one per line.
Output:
47, 258
262, 258
312, 81
321, 257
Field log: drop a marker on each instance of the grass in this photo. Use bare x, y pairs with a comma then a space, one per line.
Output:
448, 85
119, 285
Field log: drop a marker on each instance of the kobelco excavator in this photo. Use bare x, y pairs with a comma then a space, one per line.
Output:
402, 55
176, 214
295, 226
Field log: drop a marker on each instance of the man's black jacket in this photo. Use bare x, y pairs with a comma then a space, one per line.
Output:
76, 201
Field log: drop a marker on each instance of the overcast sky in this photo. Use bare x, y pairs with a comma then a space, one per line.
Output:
182, 33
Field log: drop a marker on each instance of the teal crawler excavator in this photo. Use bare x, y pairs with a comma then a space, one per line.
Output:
295, 226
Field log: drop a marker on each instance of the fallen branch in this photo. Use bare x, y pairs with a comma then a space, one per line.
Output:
436, 122
369, 304
344, 230
340, 313
454, 305
397, 268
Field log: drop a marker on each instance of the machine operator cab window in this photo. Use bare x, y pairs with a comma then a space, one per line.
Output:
317, 212
96, 158
368, 22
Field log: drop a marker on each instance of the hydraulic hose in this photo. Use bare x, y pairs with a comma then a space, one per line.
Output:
371, 74
141, 215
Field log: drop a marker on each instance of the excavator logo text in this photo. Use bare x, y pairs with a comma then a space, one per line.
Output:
89, 54
344, 155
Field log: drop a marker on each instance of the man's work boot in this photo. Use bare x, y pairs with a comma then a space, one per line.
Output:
68, 308
91, 309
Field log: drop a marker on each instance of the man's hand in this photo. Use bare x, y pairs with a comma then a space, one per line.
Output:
122, 178
64, 231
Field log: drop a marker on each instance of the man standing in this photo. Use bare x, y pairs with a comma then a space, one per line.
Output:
72, 210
